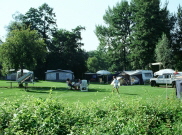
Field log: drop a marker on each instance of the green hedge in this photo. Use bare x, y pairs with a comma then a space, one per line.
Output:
109, 116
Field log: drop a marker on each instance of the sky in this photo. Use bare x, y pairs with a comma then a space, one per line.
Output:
69, 15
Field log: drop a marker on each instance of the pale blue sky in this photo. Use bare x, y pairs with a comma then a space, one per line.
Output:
69, 14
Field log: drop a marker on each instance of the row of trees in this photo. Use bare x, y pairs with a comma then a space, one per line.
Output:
137, 34
34, 42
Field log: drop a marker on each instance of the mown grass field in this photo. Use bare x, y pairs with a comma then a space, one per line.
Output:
50, 108
44, 89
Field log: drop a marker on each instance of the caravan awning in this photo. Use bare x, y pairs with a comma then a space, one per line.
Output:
137, 72
103, 72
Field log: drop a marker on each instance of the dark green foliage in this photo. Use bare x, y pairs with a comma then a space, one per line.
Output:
66, 53
43, 20
163, 52
132, 32
111, 115
63, 47
114, 36
147, 22
177, 40
98, 60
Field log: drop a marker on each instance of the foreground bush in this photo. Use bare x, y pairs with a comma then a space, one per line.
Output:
112, 115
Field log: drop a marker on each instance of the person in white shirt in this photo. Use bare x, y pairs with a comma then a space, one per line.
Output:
115, 84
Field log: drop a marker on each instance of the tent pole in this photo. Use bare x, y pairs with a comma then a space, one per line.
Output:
166, 90
107, 79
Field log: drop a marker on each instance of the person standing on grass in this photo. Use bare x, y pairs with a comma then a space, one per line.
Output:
115, 84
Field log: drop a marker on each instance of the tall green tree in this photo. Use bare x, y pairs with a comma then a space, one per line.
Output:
114, 37
43, 20
22, 49
16, 23
66, 53
177, 41
150, 21
164, 53
145, 32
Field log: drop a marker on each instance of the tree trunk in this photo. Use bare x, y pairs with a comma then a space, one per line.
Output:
21, 74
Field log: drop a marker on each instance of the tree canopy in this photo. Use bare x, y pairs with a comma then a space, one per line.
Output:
130, 39
66, 52
163, 52
132, 31
22, 49
63, 47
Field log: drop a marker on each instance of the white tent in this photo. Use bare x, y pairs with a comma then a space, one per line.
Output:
104, 72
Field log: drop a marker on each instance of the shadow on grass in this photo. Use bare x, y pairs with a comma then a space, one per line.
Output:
164, 86
47, 90
129, 94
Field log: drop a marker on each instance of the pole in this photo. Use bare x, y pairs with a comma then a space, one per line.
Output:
166, 90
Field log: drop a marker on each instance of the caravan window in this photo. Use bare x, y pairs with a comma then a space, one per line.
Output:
160, 76
148, 74
167, 76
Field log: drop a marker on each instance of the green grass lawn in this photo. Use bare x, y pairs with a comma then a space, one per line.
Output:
138, 109
45, 89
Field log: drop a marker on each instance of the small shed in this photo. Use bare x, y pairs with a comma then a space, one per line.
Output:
59, 75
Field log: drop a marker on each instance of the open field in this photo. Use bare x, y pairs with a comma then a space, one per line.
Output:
96, 92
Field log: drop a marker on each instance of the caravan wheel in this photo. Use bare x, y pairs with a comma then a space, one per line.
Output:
173, 85
153, 84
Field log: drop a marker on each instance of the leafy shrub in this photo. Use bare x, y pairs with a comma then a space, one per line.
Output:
112, 115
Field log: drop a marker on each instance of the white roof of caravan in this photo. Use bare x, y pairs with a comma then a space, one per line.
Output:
24, 71
59, 70
133, 72
137, 72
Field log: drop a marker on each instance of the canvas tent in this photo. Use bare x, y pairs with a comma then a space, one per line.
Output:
137, 76
59, 75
